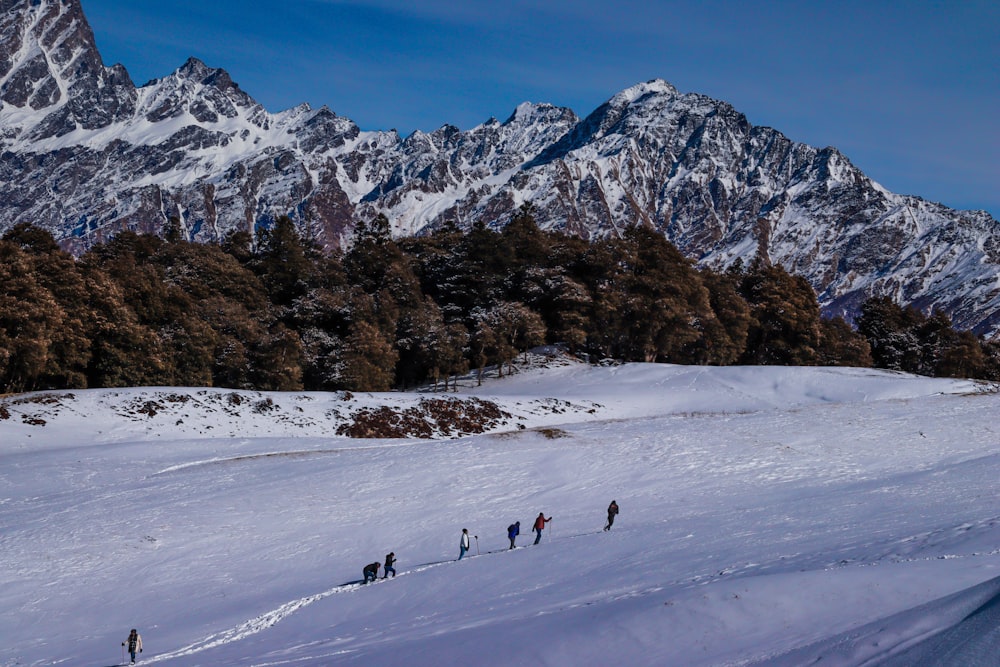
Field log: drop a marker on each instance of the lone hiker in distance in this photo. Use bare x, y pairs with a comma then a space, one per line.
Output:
540, 525
463, 546
134, 643
513, 530
612, 512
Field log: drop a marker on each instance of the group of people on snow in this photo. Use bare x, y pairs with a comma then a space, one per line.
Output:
465, 542
370, 571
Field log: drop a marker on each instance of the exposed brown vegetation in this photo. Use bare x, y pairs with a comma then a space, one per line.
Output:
439, 416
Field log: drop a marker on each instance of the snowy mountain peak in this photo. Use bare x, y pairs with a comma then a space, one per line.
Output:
530, 112
194, 145
52, 79
206, 93
46, 49
642, 90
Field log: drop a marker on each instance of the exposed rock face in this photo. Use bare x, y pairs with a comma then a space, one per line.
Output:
85, 153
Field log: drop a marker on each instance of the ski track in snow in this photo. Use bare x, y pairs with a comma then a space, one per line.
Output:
275, 616
302, 453
272, 618
254, 625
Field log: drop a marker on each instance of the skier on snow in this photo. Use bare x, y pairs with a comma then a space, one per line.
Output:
371, 571
540, 525
134, 642
513, 530
612, 511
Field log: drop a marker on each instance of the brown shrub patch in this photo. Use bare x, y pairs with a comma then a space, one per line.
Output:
437, 416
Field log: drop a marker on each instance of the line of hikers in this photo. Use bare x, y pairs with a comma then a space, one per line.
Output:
134, 641
370, 571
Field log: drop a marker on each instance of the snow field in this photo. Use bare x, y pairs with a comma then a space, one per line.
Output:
768, 516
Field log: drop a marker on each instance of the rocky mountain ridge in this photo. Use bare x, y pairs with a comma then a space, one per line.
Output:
85, 153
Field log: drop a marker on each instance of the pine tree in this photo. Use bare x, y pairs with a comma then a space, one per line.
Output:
369, 359
649, 302
785, 318
841, 345
890, 331
285, 262
724, 336
57, 272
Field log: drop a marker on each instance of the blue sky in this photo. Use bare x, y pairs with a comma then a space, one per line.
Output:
909, 91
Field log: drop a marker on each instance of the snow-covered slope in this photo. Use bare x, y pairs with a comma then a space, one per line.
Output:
85, 153
769, 516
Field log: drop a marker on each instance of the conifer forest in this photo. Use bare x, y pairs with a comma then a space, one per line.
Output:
276, 313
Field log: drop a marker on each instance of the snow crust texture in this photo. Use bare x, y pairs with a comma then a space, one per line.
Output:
85, 153
769, 516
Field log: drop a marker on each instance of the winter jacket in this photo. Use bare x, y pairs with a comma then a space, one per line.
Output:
612, 509
541, 521
513, 530
465, 541
389, 560
371, 568
134, 643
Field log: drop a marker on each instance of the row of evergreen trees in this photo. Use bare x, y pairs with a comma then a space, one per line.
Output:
280, 315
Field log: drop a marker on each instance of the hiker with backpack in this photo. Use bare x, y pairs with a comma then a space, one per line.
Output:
371, 571
540, 525
390, 559
513, 530
612, 512
133, 642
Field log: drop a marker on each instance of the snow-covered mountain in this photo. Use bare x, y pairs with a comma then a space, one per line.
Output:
85, 153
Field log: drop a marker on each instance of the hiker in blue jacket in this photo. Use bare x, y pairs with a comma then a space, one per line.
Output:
513, 530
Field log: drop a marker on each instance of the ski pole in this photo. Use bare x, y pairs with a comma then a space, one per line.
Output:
477, 544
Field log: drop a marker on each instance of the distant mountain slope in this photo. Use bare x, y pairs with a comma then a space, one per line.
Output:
85, 153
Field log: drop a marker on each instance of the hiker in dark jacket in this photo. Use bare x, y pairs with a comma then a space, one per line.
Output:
371, 572
463, 545
390, 559
612, 512
513, 530
540, 525
134, 642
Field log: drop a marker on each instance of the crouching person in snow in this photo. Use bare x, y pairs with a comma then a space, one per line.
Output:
513, 530
134, 643
371, 572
